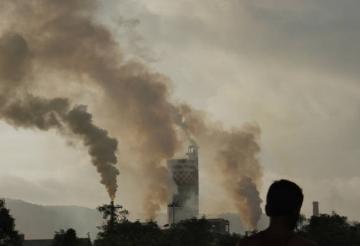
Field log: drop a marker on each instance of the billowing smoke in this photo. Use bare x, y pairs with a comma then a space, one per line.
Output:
238, 163
64, 38
236, 152
179, 120
101, 147
21, 109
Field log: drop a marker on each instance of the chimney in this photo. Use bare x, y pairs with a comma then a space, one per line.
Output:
112, 215
316, 208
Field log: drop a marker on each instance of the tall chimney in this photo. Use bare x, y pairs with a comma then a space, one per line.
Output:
112, 215
315, 208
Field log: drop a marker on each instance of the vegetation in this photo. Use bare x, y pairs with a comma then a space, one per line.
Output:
8, 235
190, 232
66, 238
228, 239
325, 230
331, 230
117, 230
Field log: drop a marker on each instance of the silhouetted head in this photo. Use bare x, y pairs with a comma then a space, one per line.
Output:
284, 200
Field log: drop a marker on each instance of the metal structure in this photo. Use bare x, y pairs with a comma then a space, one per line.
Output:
185, 174
173, 206
220, 225
112, 213
316, 209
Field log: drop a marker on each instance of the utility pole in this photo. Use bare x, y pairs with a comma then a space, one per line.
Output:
112, 214
174, 205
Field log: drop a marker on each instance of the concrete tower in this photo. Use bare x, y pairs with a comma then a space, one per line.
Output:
185, 174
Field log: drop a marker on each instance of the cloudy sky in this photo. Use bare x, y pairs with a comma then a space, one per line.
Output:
290, 65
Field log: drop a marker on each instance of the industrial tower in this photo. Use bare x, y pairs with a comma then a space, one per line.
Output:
185, 174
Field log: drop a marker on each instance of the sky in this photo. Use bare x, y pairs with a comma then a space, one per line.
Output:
289, 65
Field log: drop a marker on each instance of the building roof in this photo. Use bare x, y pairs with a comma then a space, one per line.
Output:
219, 220
47, 242
43, 242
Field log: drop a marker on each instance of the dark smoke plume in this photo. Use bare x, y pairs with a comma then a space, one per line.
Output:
21, 109
63, 37
102, 148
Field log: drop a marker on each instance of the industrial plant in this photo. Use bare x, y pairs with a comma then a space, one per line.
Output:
184, 204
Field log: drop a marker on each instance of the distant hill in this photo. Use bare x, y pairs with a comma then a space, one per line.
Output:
40, 222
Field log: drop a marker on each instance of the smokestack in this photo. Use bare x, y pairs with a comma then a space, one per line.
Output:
316, 209
112, 213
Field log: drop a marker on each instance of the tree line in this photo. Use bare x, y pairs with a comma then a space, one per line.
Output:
117, 230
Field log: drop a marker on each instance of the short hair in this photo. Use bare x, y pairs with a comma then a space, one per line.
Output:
284, 198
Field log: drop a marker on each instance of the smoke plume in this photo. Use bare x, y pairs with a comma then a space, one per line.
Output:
21, 109
64, 37
236, 152
179, 120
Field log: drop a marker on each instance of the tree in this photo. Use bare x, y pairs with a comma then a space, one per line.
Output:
113, 215
228, 239
138, 234
117, 230
331, 230
355, 234
66, 238
8, 235
190, 232
301, 221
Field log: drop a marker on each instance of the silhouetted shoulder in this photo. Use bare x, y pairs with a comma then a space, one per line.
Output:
300, 241
250, 241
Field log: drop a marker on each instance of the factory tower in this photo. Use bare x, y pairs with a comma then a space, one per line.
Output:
185, 174
316, 209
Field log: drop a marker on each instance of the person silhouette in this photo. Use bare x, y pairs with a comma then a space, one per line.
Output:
283, 203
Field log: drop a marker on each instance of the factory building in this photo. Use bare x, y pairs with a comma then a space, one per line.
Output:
185, 174
220, 225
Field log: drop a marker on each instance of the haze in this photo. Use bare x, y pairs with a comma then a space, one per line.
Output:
290, 66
